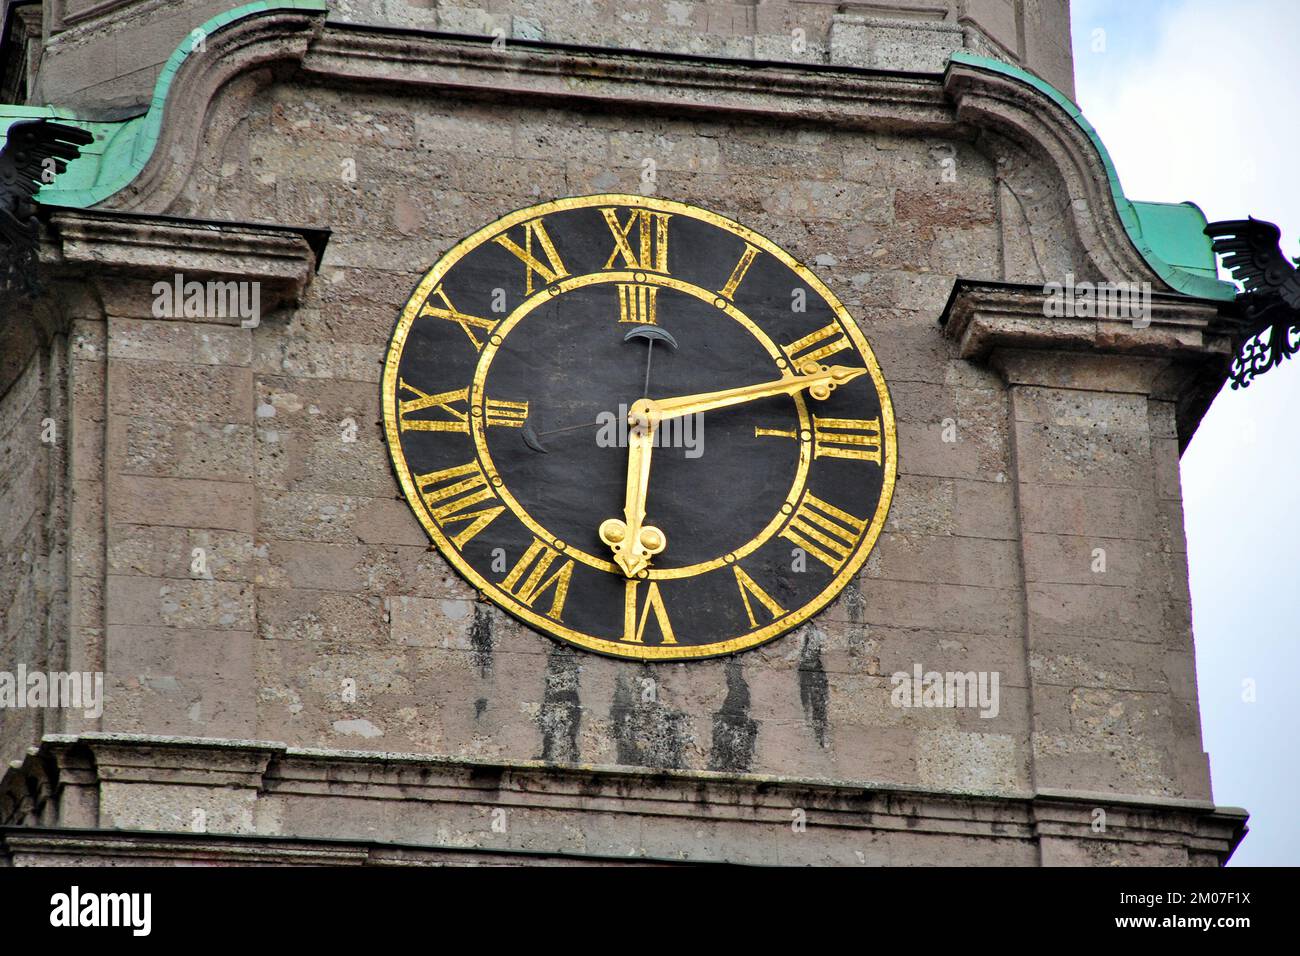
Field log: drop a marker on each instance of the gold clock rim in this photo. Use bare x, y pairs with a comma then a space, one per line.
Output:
619, 649
478, 427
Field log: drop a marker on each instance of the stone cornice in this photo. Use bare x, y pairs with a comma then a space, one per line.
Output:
643, 80
60, 785
982, 317
103, 242
179, 113
967, 96
1182, 355
29, 846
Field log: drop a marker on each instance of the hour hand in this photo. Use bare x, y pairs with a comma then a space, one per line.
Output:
632, 542
820, 381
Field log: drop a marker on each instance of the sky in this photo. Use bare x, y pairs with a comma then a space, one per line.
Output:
1194, 99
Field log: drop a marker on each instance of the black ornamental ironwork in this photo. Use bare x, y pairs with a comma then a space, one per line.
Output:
1268, 331
34, 153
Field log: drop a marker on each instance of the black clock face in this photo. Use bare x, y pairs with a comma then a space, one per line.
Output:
639, 427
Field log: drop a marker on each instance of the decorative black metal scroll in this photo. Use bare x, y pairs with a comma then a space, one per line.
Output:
1269, 331
34, 152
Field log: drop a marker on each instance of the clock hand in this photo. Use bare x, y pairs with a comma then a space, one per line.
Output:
533, 438
632, 542
819, 383
651, 333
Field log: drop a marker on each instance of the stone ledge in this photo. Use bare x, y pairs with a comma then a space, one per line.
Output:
645, 80
144, 785
105, 243
1182, 356
79, 847
984, 316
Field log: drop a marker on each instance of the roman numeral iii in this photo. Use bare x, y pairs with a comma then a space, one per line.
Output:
856, 438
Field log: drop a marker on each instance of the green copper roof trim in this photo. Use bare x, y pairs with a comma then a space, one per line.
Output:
121, 148
1169, 235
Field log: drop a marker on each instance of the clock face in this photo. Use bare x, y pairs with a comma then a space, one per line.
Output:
639, 427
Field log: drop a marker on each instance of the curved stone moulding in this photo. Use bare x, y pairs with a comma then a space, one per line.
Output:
148, 169
998, 96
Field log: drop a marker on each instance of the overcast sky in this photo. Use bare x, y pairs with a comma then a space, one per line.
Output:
1195, 100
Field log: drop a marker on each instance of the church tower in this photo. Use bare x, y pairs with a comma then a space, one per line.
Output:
593, 431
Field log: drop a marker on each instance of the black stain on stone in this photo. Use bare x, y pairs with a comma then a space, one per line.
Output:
734, 731
480, 706
561, 709
647, 733
813, 691
480, 639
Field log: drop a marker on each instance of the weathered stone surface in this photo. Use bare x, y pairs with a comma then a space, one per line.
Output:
240, 564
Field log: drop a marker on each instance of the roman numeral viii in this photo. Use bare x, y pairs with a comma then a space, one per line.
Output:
824, 531
451, 496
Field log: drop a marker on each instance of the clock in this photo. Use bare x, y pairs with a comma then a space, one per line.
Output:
639, 427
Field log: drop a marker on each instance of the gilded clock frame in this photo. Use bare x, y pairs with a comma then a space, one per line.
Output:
489, 590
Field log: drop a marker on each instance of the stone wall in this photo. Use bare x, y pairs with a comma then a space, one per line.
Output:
251, 573
233, 440
24, 502
107, 56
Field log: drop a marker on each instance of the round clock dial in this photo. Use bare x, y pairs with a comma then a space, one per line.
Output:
639, 427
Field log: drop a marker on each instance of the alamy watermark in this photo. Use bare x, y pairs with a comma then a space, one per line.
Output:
73, 689
209, 299
686, 432
947, 689
1098, 300
133, 911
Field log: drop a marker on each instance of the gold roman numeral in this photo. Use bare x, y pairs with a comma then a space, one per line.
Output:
536, 561
449, 312
504, 414
500, 413
847, 438
638, 302
450, 492
747, 258
815, 346
651, 251
837, 437
747, 589
824, 531
550, 270
634, 630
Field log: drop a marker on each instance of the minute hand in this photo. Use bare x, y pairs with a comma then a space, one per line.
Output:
820, 385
